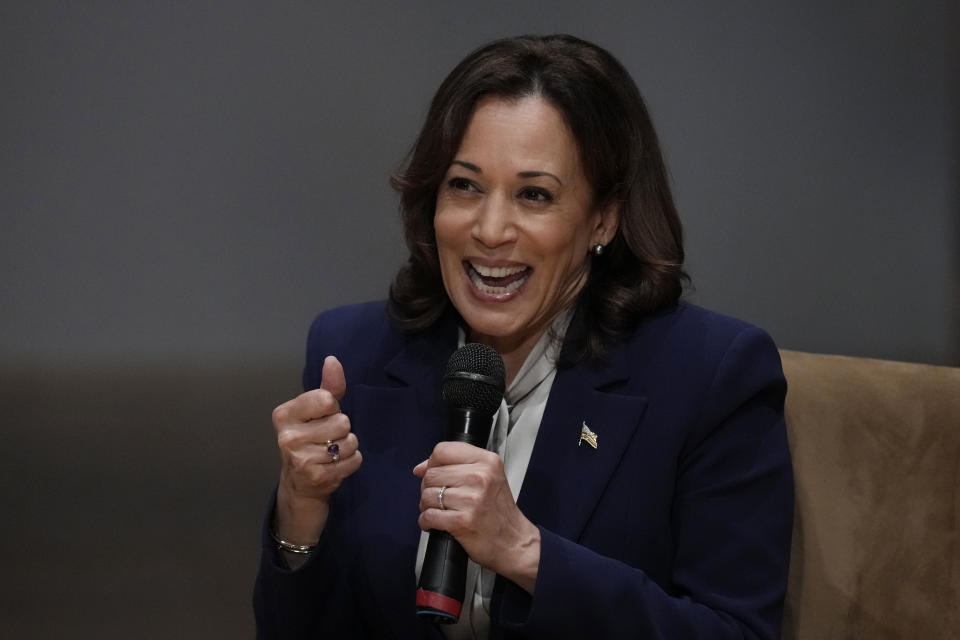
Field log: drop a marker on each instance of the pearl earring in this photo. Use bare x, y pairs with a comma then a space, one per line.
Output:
597, 249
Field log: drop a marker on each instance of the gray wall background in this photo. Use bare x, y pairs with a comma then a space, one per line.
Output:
184, 185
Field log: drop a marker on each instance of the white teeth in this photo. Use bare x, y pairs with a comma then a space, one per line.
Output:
485, 288
496, 272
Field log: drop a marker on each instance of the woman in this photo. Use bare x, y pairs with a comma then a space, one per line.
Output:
638, 481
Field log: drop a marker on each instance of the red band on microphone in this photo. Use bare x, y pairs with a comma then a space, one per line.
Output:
438, 602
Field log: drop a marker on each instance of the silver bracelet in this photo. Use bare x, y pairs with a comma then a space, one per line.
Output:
283, 545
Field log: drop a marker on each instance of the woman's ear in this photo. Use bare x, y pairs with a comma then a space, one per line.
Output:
607, 223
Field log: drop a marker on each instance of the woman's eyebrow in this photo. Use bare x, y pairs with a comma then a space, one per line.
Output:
522, 174
537, 174
471, 167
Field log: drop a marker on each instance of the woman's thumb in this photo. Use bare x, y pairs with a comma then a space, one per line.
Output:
332, 378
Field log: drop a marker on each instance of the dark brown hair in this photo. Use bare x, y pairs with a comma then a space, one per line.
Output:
641, 269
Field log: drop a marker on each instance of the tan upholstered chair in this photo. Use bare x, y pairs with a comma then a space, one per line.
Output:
876, 454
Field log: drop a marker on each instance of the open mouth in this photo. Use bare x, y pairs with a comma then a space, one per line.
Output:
497, 280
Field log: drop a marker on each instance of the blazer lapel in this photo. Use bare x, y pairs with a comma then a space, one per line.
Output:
566, 477
401, 414
401, 418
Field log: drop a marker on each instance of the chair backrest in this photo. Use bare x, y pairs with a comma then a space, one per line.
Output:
876, 455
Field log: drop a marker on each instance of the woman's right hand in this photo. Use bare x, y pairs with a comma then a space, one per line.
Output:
308, 473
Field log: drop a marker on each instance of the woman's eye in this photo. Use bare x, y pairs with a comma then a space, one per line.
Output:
460, 184
536, 194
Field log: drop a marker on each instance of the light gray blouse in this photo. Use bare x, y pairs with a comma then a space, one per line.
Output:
512, 435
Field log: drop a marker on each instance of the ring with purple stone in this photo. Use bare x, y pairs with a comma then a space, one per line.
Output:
334, 450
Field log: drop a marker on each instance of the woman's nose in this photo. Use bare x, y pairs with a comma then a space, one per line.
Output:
495, 224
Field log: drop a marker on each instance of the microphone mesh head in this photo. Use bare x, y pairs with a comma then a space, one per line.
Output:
474, 378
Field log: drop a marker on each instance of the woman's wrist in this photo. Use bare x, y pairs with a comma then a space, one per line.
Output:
299, 521
524, 563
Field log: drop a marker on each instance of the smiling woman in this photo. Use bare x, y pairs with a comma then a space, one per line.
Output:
540, 223
514, 222
616, 150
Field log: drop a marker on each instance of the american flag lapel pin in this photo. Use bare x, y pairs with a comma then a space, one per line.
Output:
587, 436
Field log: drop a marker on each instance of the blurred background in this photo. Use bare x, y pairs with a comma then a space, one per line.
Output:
184, 185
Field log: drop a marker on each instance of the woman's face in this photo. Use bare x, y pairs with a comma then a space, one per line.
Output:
514, 222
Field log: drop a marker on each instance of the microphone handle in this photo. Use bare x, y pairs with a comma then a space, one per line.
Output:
443, 577
469, 426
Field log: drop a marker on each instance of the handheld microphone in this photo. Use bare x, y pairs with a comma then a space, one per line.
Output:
472, 391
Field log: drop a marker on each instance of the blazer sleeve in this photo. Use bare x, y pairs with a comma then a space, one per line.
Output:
731, 525
313, 601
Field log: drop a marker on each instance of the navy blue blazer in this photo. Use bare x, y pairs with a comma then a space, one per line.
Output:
677, 526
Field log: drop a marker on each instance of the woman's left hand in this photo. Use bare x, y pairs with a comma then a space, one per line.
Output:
478, 510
